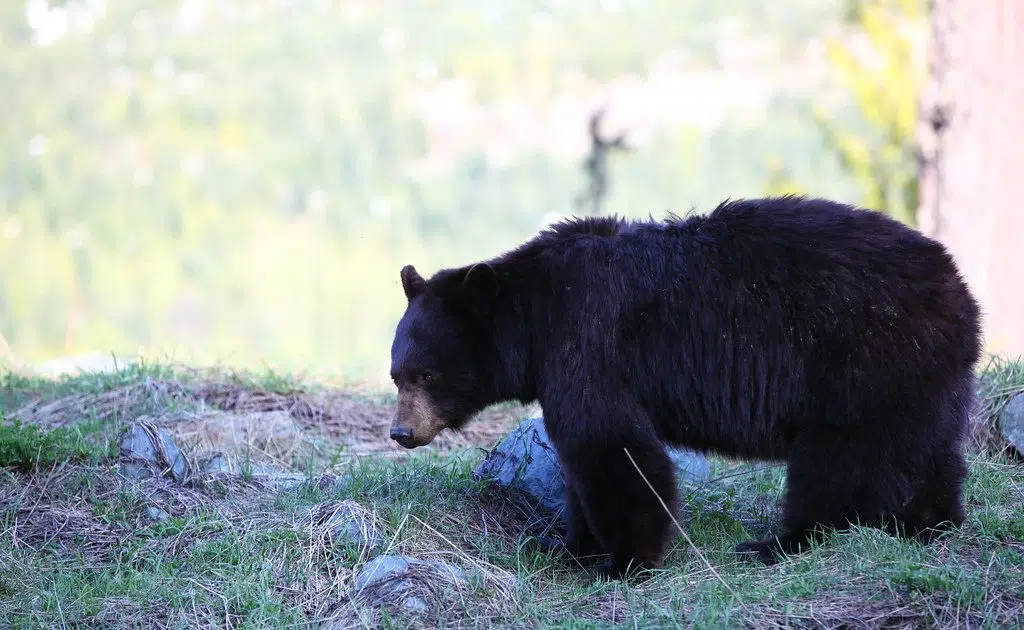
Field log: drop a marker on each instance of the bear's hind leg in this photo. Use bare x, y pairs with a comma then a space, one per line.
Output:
834, 479
626, 519
938, 503
938, 506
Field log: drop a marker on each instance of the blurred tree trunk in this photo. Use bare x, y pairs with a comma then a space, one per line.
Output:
972, 141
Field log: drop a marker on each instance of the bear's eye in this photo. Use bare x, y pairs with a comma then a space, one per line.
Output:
427, 376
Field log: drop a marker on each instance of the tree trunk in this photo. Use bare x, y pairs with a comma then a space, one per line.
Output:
972, 142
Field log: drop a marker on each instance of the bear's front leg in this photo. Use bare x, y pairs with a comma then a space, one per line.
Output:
579, 537
626, 518
578, 540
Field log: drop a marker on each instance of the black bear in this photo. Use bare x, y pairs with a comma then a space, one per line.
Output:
789, 329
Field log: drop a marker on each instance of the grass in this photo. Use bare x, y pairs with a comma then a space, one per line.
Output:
81, 544
26, 447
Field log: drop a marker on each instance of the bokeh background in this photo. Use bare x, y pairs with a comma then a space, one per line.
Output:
238, 182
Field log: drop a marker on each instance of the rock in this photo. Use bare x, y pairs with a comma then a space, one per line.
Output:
382, 569
691, 467
136, 470
216, 463
146, 449
347, 522
404, 582
265, 471
331, 483
415, 604
386, 568
156, 514
1011, 422
526, 462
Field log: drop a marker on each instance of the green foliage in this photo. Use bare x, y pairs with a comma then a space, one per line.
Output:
884, 83
240, 184
27, 447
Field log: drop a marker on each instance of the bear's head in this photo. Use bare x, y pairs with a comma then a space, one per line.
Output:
437, 357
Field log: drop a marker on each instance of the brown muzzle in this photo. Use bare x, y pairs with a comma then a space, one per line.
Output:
416, 421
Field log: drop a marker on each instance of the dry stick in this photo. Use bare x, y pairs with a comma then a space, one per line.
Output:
681, 530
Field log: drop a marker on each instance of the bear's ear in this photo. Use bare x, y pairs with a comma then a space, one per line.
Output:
412, 282
481, 281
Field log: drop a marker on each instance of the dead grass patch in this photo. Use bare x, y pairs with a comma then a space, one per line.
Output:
271, 438
118, 403
360, 424
275, 425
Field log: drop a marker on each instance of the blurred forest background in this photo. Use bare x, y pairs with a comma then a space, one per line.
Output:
239, 181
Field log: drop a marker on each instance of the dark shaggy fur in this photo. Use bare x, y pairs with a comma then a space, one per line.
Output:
783, 329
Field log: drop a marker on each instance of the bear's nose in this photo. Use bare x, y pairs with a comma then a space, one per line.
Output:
401, 434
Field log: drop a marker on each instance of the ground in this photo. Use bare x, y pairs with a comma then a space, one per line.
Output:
80, 543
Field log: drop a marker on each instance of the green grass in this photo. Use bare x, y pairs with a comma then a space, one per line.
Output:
78, 543
27, 447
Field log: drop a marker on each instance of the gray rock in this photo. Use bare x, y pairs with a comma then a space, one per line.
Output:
217, 464
145, 449
415, 604
403, 582
691, 467
526, 462
382, 569
136, 470
347, 522
1011, 422
388, 568
264, 470
156, 514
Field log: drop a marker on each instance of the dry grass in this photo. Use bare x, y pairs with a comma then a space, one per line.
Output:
834, 611
876, 606
354, 421
90, 510
270, 439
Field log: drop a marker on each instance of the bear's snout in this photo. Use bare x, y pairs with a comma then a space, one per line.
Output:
402, 435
